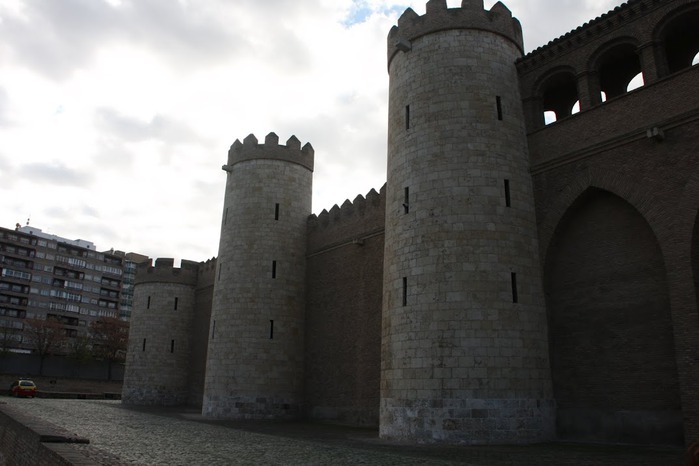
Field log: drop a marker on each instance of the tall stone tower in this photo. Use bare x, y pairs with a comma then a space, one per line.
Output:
464, 341
255, 358
159, 348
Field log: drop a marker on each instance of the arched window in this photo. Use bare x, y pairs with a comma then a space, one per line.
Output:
617, 67
559, 96
681, 40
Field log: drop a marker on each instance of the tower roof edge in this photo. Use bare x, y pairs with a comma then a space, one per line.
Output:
271, 150
471, 15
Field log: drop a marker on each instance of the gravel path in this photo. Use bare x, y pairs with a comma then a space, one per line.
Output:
162, 436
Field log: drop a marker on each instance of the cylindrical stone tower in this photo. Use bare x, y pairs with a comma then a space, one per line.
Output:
158, 355
255, 360
464, 341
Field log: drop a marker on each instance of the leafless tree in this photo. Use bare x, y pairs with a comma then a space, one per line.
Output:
109, 339
45, 336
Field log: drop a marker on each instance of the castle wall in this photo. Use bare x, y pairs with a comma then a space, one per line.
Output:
420, 308
200, 331
255, 353
464, 344
158, 355
617, 202
343, 312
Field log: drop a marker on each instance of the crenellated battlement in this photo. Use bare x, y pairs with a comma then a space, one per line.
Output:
352, 221
207, 273
471, 15
589, 31
250, 149
166, 272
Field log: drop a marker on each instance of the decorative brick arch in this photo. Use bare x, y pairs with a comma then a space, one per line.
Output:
625, 188
613, 65
663, 28
547, 80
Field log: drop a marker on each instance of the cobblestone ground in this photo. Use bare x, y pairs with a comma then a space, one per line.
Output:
126, 436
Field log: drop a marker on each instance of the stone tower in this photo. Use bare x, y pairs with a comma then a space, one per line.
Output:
158, 361
464, 341
255, 358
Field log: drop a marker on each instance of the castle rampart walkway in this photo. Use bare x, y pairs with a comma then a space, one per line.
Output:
124, 436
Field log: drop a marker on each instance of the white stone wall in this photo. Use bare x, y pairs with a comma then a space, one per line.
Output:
252, 372
461, 362
157, 371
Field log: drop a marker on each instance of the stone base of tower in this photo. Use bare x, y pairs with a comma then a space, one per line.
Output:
468, 422
149, 396
250, 407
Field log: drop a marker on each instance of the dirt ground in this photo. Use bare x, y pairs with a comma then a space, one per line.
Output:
60, 384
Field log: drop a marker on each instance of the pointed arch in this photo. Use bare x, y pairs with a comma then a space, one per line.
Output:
611, 335
677, 34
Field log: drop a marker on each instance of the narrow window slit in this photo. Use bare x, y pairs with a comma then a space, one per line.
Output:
213, 330
276, 211
508, 201
144, 345
271, 329
515, 298
407, 117
148, 303
274, 269
405, 291
498, 104
172, 346
176, 299
406, 201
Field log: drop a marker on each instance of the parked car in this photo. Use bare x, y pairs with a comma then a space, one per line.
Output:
23, 387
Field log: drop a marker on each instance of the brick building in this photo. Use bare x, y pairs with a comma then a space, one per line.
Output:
529, 271
46, 276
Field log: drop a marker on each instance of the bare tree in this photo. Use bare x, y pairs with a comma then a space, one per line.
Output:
9, 337
45, 336
79, 348
109, 339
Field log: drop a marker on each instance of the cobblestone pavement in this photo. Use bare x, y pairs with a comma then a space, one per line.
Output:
174, 436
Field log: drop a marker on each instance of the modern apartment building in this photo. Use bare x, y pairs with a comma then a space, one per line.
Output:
46, 276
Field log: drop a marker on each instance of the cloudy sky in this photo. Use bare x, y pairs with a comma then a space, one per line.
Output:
116, 115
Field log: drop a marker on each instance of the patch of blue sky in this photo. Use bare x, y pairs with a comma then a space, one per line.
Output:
361, 11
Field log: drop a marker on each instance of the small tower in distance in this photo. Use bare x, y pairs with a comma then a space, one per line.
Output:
255, 356
159, 348
464, 343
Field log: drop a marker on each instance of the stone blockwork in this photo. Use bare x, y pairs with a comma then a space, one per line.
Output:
255, 356
464, 344
159, 347
29, 441
420, 308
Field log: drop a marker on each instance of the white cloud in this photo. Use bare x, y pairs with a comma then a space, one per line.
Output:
116, 115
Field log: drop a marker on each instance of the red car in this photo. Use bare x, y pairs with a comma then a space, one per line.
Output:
23, 388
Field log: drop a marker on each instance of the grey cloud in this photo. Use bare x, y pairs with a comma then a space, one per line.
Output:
4, 163
55, 174
113, 153
58, 37
131, 129
295, 57
4, 105
7, 176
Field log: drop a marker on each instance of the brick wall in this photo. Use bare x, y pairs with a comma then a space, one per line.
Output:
610, 328
27, 441
343, 312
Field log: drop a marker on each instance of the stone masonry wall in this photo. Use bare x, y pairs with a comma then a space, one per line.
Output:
464, 344
255, 355
343, 312
158, 358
